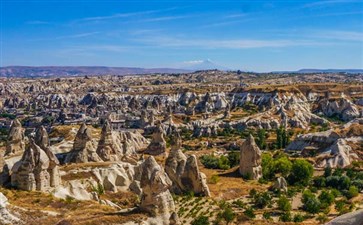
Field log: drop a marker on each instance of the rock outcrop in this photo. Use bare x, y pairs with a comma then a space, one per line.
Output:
37, 169
108, 149
15, 142
84, 148
353, 218
250, 159
280, 184
343, 108
41, 137
183, 171
5, 216
156, 198
158, 143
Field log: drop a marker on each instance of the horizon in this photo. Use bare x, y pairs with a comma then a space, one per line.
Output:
260, 36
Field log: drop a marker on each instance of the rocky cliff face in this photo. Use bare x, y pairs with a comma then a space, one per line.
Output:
250, 159
184, 172
15, 143
342, 108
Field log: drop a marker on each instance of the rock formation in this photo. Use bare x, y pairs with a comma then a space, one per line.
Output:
15, 142
183, 171
158, 143
352, 218
280, 184
250, 159
108, 149
156, 198
30, 173
41, 137
5, 216
84, 148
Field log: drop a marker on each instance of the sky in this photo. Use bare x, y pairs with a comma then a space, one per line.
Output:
248, 35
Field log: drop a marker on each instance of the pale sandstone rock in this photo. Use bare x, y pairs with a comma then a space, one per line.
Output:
250, 159
158, 143
5, 216
155, 183
280, 184
183, 171
15, 142
108, 149
84, 148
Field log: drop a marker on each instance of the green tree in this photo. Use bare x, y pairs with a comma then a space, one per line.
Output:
311, 203
301, 172
228, 215
262, 199
261, 139
249, 212
326, 198
352, 192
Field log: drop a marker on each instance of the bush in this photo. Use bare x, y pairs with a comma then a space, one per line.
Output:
327, 171
249, 212
263, 199
285, 217
214, 179
233, 158
326, 199
298, 218
266, 215
213, 162
284, 204
352, 192
311, 203
228, 215
322, 218
319, 182
200, 220
301, 172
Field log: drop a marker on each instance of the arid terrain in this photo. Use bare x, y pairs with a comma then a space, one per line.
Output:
203, 147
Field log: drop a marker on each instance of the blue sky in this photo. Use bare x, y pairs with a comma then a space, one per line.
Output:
249, 35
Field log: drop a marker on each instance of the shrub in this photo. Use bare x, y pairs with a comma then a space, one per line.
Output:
322, 218
285, 217
284, 204
352, 192
263, 199
326, 199
200, 220
311, 203
249, 212
252, 193
319, 182
228, 215
327, 171
301, 172
214, 179
233, 158
266, 215
298, 218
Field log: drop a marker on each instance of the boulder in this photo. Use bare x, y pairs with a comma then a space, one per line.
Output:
352, 218
280, 184
41, 137
15, 142
250, 159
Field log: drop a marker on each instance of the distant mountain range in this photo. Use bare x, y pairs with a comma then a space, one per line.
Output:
49, 71
191, 66
323, 71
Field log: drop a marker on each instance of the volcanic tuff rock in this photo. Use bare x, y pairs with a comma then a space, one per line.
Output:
280, 184
41, 137
155, 183
250, 159
158, 143
353, 218
15, 142
32, 171
108, 149
5, 216
340, 155
84, 148
183, 171
343, 108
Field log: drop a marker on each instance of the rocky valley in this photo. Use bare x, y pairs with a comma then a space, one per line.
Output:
203, 147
